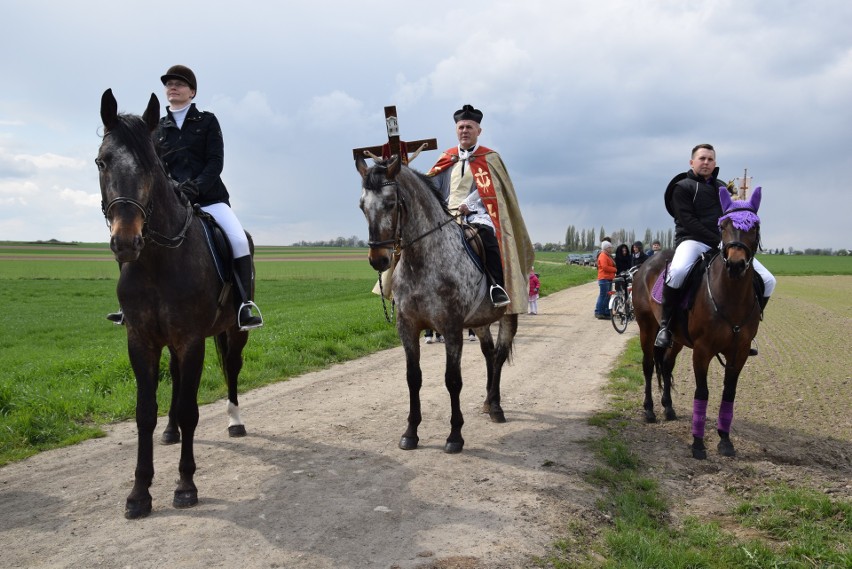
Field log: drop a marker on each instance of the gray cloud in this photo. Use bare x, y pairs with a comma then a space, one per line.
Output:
593, 106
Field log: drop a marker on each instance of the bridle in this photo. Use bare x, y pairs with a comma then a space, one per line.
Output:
723, 255
147, 232
726, 245
396, 242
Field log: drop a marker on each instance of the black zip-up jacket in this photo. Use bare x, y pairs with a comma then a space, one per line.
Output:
194, 153
694, 203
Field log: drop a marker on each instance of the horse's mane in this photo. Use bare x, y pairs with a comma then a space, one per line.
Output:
377, 174
132, 132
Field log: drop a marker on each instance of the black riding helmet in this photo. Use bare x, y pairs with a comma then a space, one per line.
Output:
183, 73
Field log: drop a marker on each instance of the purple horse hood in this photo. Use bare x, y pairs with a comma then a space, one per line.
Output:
742, 213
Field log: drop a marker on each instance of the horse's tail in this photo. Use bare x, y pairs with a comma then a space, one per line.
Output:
506, 338
658, 357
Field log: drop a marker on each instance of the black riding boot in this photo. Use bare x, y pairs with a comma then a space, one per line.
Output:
493, 266
671, 296
245, 319
762, 300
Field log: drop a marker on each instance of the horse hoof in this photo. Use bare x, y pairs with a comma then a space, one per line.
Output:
136, 509
237, 431
671, 415
185, 498
497, 416
453, 448
408, 443
650, 417
726, 448
486, 408
699, 453
170, 437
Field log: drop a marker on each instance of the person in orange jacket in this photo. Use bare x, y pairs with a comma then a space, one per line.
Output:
606, 272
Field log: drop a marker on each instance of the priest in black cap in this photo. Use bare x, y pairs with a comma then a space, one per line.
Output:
471, 167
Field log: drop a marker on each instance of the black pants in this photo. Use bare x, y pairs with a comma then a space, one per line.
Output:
493, 263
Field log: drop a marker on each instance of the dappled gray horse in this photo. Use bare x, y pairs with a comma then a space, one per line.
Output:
436, 284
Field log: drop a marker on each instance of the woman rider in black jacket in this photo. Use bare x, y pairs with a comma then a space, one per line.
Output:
192, 150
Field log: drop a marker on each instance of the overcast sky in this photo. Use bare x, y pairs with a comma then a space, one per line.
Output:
593, 105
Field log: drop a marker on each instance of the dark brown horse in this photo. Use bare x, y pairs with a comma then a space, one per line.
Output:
435, 285
721, 322
169, 290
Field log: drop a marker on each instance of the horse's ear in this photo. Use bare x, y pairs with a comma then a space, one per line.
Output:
755, 199
725, 198
152, 113
109, 109
393, 167
361, 166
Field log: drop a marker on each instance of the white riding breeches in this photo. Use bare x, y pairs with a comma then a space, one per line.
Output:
232, 227
688, 252
684, 257
768, 278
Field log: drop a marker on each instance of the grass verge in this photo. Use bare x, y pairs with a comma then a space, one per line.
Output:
794, 526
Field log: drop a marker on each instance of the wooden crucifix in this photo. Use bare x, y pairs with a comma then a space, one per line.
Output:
395, 146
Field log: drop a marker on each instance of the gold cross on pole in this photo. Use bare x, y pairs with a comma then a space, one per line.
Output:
394, 146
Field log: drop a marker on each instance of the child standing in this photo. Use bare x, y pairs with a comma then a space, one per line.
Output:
535, 284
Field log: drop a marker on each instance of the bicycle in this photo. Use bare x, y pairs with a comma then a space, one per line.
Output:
621, 300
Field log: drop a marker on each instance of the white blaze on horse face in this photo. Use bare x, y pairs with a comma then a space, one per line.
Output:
378, 208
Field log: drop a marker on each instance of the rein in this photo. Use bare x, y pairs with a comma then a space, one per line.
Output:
396, 243
736, 328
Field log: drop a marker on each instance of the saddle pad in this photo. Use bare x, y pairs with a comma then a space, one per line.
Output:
657, 291
470, 252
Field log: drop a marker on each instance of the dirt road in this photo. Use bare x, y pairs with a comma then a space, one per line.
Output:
319, 481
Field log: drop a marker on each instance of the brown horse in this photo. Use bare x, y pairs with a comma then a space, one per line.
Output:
721, 322
436, 285
169, 290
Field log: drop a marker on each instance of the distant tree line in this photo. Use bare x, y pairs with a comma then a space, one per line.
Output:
587, 240
827, 252
339, 242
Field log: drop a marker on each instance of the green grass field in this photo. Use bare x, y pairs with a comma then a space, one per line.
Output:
65, 370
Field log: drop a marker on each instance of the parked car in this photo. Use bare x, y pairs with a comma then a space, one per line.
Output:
589, 260
574, 259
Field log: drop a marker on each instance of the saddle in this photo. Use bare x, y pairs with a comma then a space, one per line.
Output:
694, 280
218, 244
690, 284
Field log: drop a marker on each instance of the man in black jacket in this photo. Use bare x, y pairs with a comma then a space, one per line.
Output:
693, 200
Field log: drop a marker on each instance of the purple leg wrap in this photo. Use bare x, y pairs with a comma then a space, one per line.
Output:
726, 416
699, 417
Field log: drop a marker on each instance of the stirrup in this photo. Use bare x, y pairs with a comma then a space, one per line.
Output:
498, 303
245, 327
662, 342
116, 318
